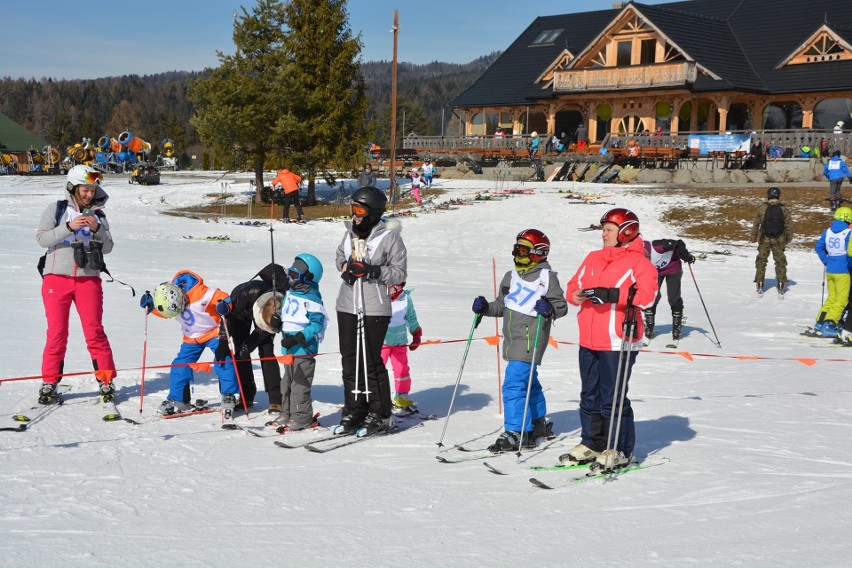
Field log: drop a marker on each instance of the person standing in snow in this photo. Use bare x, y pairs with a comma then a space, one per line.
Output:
428, 172
200, 309
607, 282
370, 258
666, 255
289, 183
835, 170
772, 230
834, 248
303, 324
396, 345
367, 177
530, 298
76, 234
254, 303
416, 182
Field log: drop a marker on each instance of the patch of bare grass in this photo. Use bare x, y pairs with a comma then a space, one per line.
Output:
727, 214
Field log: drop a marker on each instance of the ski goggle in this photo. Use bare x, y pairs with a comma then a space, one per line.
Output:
295, 276
93, 178
359, 210
521, 250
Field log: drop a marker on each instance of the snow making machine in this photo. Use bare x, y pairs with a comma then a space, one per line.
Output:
168, 157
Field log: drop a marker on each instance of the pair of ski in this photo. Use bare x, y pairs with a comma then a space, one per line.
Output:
328, 441
594, 473
109, 413
670, 345
467, 454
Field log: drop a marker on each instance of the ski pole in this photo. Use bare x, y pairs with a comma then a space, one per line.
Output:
144, 362
621, 375
476, 319
276, 308
718, 343
234, 363
529, 386
497, 334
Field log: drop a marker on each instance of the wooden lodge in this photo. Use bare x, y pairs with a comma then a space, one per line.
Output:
777, 67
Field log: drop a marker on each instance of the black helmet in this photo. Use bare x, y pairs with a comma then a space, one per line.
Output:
371, 198
773, 193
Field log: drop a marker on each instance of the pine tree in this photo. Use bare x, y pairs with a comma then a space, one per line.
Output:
241, 103
329, 126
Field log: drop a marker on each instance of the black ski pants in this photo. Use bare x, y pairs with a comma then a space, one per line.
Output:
378, 382
672, 291
292, 198
240, 331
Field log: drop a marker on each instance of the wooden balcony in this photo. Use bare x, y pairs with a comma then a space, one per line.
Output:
633, 77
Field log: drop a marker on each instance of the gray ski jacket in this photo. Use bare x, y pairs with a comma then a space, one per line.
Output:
386, 250
56, 237
519, 329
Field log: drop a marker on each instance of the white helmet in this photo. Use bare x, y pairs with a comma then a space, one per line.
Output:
169, 300
82, 175
534, 134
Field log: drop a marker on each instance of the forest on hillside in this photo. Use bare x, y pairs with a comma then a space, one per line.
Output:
155, 107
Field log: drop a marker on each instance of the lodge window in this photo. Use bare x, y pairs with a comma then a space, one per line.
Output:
547, 37
625, 48
648, 51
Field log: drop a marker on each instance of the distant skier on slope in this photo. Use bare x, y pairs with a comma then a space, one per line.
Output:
666, 255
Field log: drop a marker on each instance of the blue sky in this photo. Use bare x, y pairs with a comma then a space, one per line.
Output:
48, 38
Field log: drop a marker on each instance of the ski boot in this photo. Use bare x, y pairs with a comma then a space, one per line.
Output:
759, 288
274, 408
229, 403
677, 325
169, 407
374, 423
782, 287
579, 454
649, 323
611, 460
510, 441
48, 394
542, 428
403, 406
107, 392
844, 339
829, 329
349, 423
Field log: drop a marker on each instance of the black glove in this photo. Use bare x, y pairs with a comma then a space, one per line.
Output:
288, 341
348, 277
683, 253
360, 269
275, 322
249, 345
543, 307
690, 259
480, 305
602, 295
222, 350
147, 302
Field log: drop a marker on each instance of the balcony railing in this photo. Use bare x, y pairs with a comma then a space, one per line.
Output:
634, 77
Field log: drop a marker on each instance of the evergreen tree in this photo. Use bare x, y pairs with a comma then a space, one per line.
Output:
240, 105
329, 118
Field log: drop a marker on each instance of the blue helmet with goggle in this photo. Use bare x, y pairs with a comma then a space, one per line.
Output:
306, 268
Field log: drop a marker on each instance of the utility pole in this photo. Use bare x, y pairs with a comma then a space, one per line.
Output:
392, 189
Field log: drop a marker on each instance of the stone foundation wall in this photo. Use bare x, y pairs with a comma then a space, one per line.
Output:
780, 171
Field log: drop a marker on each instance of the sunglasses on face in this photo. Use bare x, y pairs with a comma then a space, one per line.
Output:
359, 210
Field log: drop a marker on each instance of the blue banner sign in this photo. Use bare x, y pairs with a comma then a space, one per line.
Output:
706, 143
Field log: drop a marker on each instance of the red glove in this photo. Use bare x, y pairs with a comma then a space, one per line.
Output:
416, 337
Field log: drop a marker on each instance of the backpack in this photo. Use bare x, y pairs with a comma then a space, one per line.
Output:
773, 221
61, 207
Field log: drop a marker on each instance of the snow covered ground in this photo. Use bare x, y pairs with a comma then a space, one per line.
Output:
758, 432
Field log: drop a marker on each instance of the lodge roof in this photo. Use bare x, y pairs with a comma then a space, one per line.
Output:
742, 42
16, 138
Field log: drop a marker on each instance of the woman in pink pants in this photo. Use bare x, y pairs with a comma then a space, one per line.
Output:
76, 235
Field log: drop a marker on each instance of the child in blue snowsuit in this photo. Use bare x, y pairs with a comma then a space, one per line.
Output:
303, 324
199, 309
529, 294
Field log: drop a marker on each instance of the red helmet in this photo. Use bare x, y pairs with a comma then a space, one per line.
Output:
539, 241
627, 221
